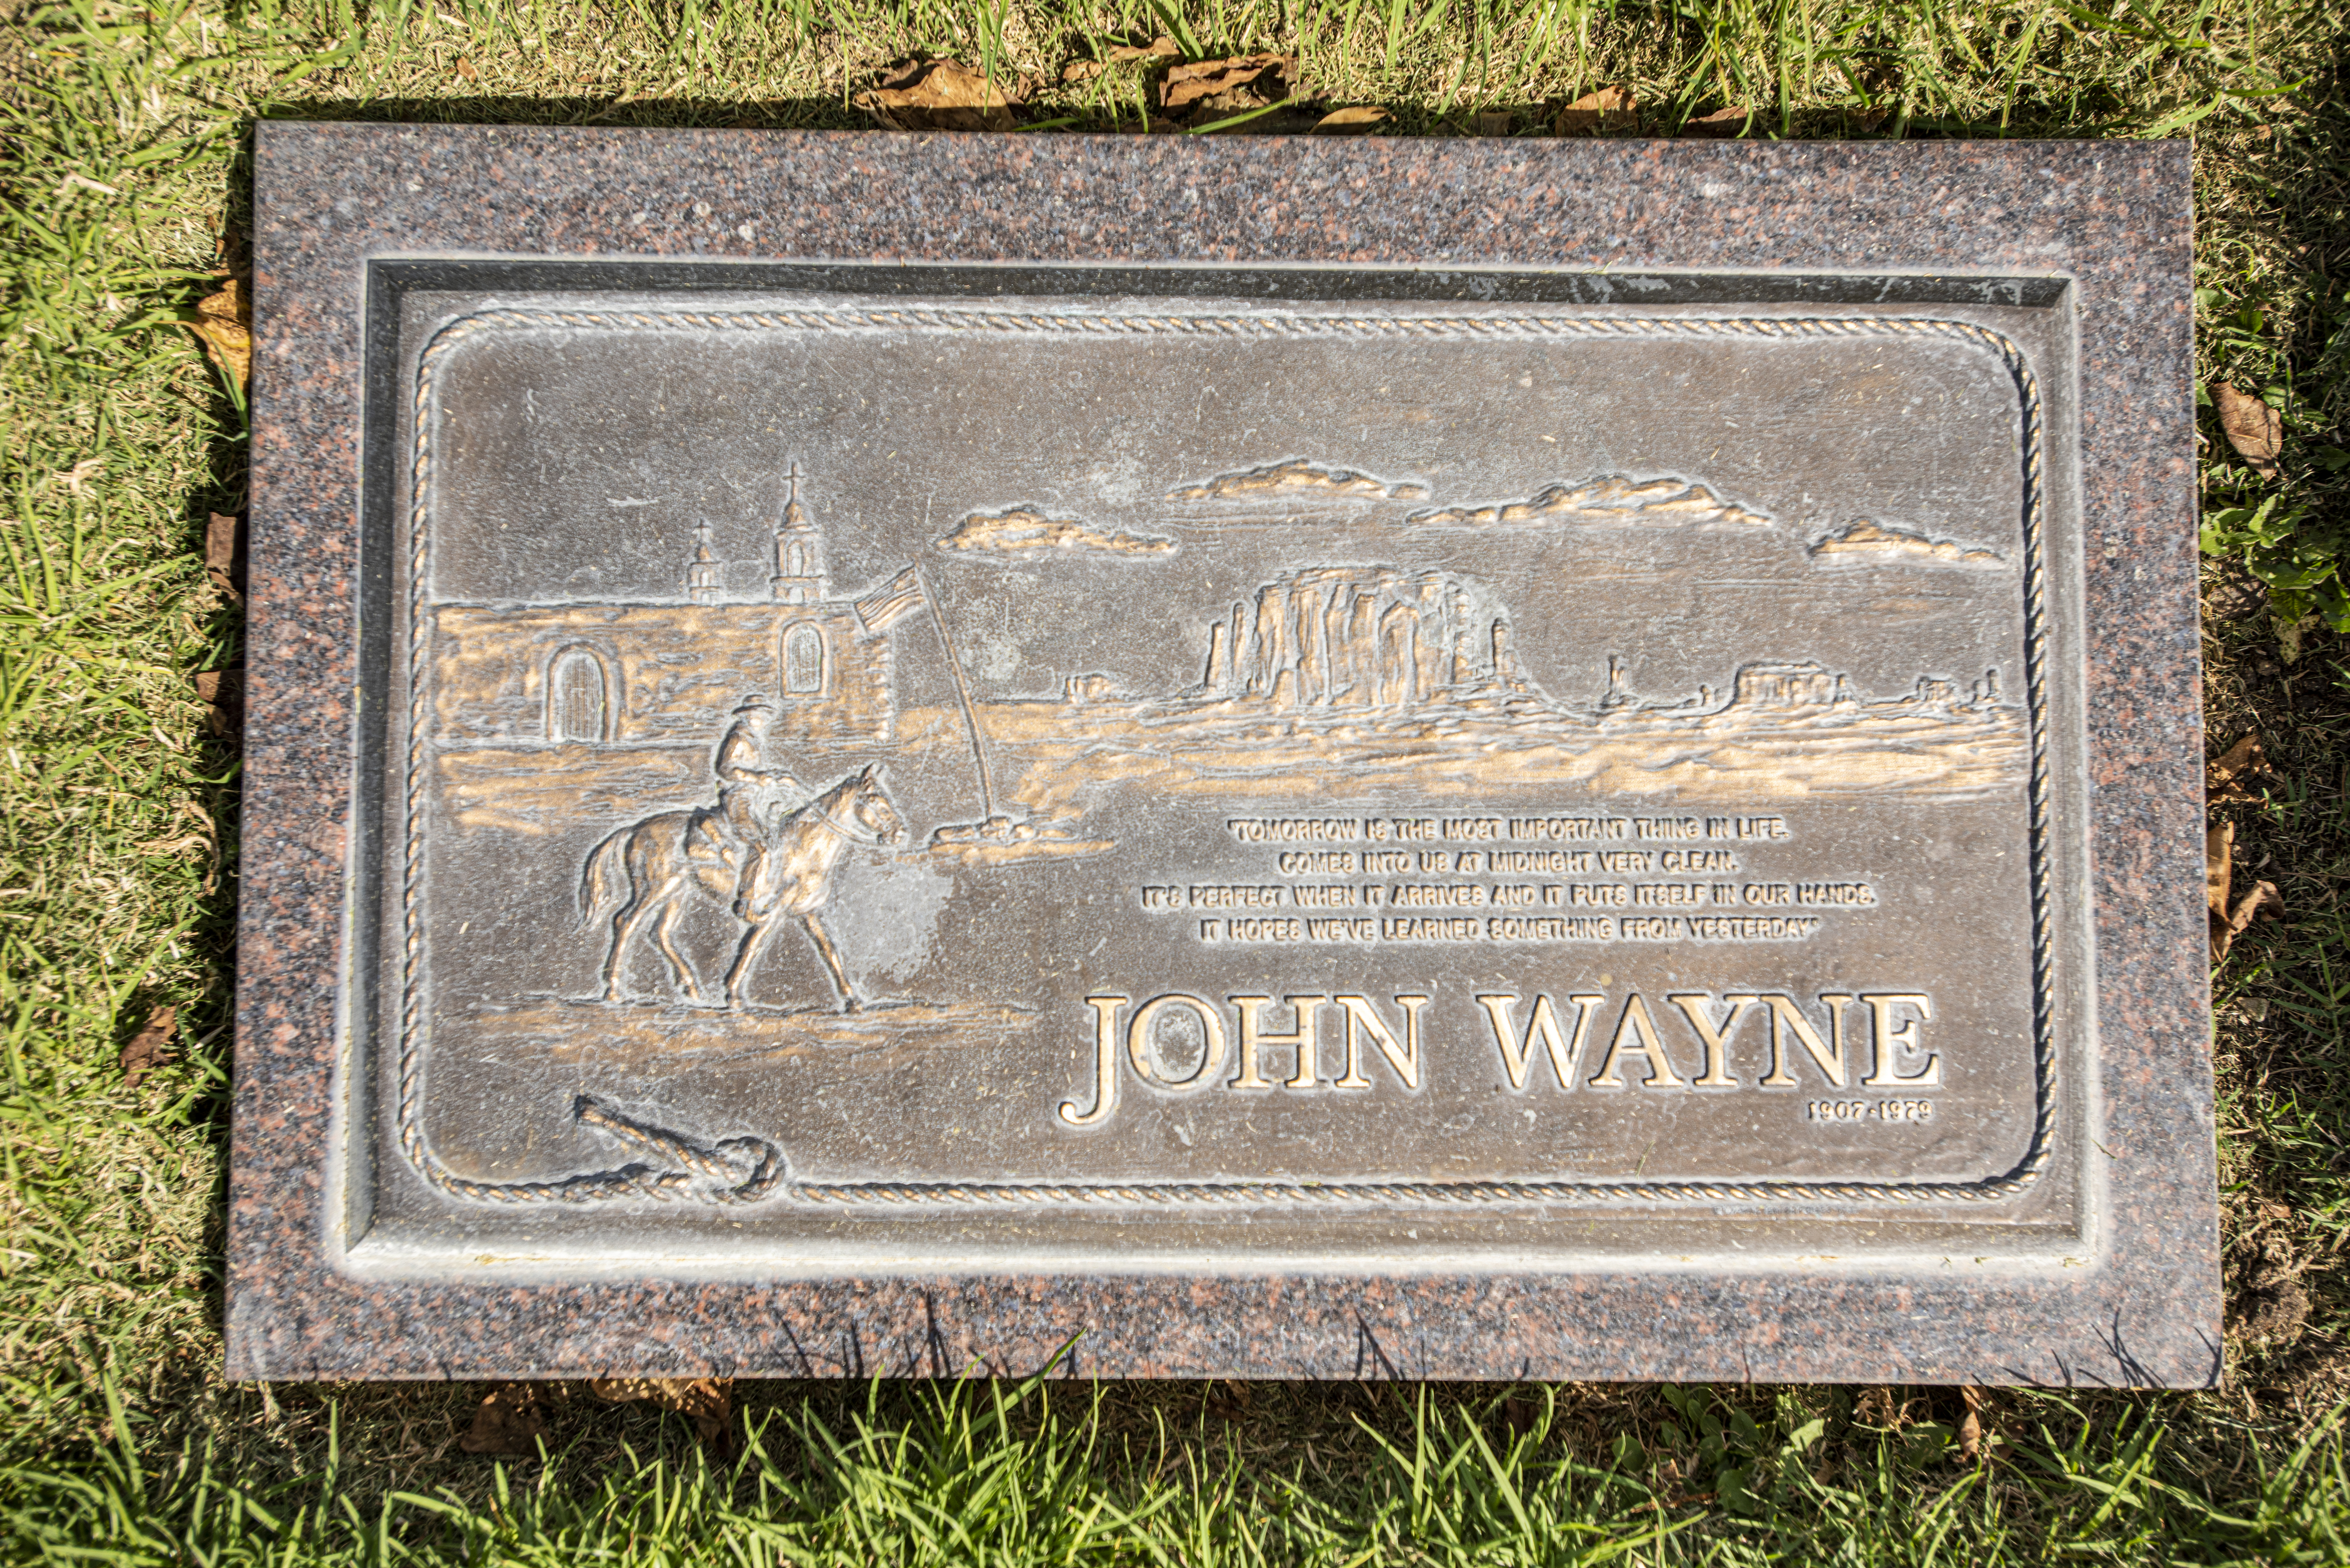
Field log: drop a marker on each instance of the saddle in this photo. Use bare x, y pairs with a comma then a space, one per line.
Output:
713, 840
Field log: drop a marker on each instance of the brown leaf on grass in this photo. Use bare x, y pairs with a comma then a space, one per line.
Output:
707, 1401
2230, 921
224, 324
2224, 782
224, 690
2263, 896
1720, 122
1970, 1426
1348, 121
224, 555
1241, 82
465, 70
1161, 49
1610, 109
145, 1052
2252, 427
2219, 854
939, 95
508, 1421
1493, 122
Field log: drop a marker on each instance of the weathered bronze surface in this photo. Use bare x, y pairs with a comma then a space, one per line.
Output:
1196, 779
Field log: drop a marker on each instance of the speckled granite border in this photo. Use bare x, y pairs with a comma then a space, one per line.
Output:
2112, 219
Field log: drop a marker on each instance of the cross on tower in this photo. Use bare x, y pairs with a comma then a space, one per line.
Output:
798, 577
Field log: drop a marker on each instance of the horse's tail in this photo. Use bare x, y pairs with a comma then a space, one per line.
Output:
597, 882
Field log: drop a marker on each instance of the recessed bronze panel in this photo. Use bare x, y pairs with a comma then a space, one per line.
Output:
1212, 779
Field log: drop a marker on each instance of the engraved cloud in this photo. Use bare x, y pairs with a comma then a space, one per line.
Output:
1022, 533
1297, 476
1610, 501
1864, 543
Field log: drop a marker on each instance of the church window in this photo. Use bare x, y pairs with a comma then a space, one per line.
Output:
579, 697
795, 560
803, 661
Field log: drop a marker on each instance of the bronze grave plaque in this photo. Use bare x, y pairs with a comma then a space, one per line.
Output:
888, 775
1221, 756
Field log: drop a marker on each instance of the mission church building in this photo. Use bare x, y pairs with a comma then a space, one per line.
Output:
654, 673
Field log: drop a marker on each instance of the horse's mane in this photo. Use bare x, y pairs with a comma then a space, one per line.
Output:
828, 801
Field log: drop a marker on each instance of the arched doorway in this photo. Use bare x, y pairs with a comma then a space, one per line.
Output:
579, 697
803, 661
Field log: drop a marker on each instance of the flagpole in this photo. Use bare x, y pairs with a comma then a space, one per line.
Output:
970, 717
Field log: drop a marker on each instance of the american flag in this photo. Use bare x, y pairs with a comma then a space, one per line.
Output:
891, 603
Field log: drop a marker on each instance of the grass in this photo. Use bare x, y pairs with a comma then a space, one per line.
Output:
123, 131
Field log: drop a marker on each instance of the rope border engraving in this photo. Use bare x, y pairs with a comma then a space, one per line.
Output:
749, 1170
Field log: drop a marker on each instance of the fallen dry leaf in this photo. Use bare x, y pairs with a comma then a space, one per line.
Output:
224, 555
465, 70
2224, 779
2230, 921
2288, 633
145, 1052
1720, 122
708, 1401
1610, 109
1228, 85
1493, 122
938, 95
1161, 49
223, 324
2252, 427
224, 690
1348, 121
508, 1421
81, 474
2263, 896
1970, 1426
2219, 854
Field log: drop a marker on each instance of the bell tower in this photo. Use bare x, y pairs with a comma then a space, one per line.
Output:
702, 584
798, 578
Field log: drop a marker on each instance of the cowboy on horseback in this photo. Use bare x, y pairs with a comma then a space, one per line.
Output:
653, 869
753, 800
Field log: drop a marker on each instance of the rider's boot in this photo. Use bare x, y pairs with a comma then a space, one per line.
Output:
747, 884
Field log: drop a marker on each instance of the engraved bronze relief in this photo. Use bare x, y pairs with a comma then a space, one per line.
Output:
910, 758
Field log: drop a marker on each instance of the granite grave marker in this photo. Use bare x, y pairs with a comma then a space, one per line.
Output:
1241, 757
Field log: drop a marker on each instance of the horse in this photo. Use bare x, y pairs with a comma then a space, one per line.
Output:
653, 860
